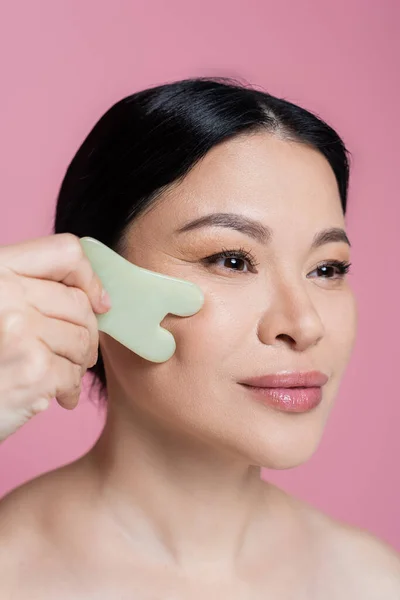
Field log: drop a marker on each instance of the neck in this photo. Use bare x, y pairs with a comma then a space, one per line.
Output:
178, 498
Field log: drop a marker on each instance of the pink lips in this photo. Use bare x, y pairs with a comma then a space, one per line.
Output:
288, 392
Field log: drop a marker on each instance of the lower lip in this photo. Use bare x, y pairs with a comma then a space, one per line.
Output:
296, 400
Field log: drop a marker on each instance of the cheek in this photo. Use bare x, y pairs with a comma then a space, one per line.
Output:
120, 362
340, 318
215, 331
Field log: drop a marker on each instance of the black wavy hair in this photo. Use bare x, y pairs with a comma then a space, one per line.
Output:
151, 139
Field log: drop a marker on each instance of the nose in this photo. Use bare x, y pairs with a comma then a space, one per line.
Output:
292, 317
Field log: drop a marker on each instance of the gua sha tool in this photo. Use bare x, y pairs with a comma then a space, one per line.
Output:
140, 300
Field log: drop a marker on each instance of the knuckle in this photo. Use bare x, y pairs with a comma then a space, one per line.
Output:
12, 322
97, 286
4, 272
94, 338
36, 365
75, 379
11, 289
79, 297
94, 356
71, 245
69, 384
84, 342
93, 327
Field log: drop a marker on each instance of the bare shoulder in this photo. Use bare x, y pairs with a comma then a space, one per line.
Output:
19, 536
28, 528
370, 561
353, 558
23, 515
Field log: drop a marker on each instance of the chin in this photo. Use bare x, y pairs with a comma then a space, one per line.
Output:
280, 459
279, 447
290, 460
283, 440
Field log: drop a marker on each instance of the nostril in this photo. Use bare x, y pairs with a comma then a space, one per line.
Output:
286, 338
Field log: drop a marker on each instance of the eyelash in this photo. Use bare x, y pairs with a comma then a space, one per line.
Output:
240, 253
342, 266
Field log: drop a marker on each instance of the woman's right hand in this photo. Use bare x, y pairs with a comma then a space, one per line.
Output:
49, 295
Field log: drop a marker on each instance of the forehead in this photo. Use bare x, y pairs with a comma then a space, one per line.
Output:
261, 176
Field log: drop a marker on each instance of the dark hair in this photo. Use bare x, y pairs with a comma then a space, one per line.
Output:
150, 139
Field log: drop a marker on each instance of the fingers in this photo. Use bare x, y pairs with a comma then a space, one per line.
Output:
76, 343
55, 300
42, 358
60, 316
67, 382
57, 258
49, 294
35, 375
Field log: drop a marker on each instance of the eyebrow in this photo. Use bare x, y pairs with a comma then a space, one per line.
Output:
259, 232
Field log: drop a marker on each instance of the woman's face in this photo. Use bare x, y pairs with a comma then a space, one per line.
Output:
272, 311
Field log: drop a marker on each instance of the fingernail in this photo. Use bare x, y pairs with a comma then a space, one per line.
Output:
105, 299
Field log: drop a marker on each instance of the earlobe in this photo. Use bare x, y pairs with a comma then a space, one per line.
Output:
140, 300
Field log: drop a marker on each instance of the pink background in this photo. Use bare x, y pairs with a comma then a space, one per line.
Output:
64, 63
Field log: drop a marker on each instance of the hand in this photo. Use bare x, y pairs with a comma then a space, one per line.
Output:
49, 295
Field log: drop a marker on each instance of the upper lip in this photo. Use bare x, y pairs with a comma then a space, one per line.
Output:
288, 380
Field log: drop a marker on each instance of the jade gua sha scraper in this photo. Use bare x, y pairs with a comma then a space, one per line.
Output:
140, 299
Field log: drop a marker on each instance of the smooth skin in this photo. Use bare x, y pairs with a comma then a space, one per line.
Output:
169, 502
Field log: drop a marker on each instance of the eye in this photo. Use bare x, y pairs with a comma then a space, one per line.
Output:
234, 260
334, 269
243, 261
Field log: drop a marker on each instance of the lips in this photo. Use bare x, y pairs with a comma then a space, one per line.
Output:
309, 379
288, 392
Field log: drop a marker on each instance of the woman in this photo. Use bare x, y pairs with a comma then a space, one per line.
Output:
245, 195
